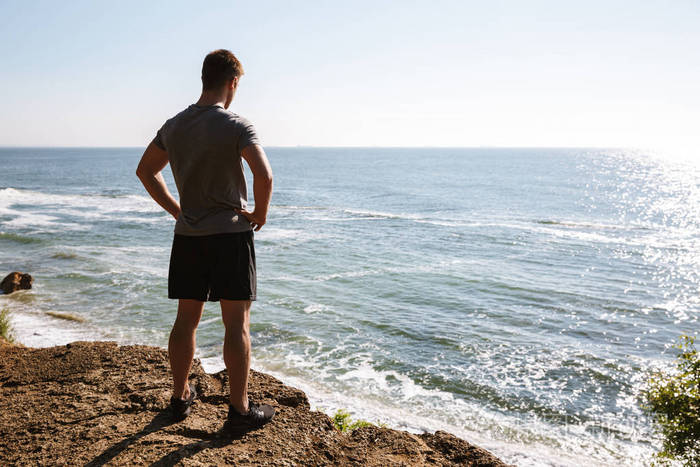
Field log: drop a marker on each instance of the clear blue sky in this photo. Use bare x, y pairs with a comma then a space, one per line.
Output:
332, 73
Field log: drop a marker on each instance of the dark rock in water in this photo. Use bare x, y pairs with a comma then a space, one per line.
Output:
15, 281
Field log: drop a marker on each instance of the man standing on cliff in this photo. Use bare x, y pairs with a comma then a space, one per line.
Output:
213, 256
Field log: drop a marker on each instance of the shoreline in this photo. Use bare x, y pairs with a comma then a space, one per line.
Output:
321, 399
50, 331
101, 397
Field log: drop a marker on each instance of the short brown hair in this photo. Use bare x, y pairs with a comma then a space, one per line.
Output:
219, 67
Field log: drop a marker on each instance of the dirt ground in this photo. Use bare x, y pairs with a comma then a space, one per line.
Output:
97, 403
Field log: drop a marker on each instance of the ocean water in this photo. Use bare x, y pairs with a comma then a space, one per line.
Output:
518, 298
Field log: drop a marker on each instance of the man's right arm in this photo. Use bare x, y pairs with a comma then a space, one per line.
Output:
262, 185
152, 162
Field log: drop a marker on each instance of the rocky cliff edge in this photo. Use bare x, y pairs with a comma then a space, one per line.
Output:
97, 403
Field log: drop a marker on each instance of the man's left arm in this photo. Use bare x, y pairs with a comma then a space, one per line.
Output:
153, 161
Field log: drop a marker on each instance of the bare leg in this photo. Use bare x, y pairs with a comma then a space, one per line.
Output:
182, 344
236, 316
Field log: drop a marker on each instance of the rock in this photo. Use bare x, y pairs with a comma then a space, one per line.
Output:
15, 281
97, 403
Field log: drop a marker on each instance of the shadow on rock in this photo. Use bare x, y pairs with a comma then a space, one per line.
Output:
164, 418
161, 420
207, 440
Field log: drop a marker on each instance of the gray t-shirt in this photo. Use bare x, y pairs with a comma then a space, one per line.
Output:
204, 146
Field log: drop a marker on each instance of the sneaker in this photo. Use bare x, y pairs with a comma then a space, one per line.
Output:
257, 415
181, 407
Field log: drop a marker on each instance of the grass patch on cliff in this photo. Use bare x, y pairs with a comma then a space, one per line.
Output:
674, 402
343, 422
5, 326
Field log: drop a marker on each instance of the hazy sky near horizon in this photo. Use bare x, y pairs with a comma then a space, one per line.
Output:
362, 73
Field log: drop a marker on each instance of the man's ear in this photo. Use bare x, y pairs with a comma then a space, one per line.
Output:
234, 82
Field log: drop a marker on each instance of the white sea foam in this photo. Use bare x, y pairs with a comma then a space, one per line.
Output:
115, 260
381, 215
298, 208
539, 445
390, 397
209, 321
37, 329
29, 219
39, 210
331, 214
315, 308
279, 235
436, 266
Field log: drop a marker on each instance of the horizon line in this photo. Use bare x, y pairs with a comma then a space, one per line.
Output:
343, 147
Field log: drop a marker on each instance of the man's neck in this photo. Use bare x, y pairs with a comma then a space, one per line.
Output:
212, 98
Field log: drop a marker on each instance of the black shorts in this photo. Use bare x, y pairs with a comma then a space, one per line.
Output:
212, 267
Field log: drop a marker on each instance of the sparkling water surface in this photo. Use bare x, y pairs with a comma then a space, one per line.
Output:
518, 298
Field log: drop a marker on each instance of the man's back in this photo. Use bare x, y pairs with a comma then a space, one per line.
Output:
213, 252
204, 146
